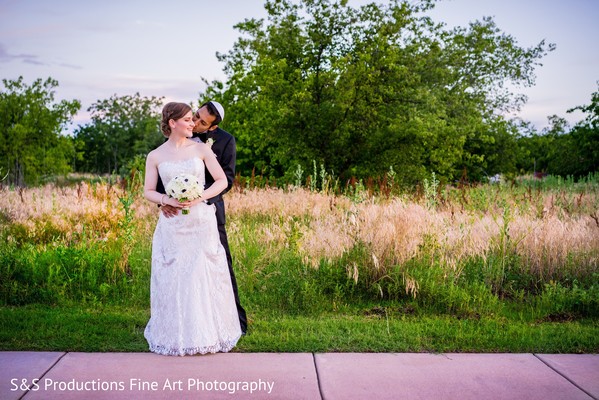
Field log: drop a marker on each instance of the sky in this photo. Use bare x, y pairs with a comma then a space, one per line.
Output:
96, 49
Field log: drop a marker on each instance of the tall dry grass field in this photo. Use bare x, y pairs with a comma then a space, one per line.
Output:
400, 229
509, 239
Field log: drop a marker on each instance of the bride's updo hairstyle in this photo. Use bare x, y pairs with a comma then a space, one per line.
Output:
173, 111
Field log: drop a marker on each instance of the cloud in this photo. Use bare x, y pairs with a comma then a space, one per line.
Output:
5, 56
31, 60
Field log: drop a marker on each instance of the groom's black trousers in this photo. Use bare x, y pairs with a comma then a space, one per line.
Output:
222, 232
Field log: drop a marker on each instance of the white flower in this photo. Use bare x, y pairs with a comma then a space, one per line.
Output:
210, 142
184, 187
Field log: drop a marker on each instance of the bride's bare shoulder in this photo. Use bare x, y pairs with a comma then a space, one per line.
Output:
199, 148
155, 155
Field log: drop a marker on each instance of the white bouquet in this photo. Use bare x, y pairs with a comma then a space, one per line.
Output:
184, 187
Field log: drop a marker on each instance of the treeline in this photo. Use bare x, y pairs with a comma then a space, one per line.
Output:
357, 91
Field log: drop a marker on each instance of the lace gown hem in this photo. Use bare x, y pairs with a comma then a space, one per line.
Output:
223, 347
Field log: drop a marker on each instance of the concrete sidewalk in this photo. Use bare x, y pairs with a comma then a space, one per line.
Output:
54, 375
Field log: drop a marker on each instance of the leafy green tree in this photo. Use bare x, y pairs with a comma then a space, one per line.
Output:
495, 151
581, 154
538, 150
561, 150
362, 90
121, 128
529, 141
557, 140
31, 123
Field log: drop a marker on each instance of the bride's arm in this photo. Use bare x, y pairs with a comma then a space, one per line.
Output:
220, 179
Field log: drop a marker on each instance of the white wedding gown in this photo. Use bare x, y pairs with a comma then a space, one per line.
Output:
192, 304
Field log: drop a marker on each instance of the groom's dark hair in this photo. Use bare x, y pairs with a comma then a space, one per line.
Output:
212, 111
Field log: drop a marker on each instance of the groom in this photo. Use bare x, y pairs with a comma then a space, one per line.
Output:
206, 129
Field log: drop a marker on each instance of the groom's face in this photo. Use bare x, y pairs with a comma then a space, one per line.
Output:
203, 121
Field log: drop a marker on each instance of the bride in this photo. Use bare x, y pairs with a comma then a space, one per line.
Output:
192, 303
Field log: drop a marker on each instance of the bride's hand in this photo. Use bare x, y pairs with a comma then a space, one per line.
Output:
193, 202
188, 203
170, 207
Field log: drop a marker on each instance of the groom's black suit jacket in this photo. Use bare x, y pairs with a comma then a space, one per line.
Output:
226, 154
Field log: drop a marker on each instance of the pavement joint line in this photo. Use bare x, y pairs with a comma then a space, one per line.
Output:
565, 377
45, 372
317, 376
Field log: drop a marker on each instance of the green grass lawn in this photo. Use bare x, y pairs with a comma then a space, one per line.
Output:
120, 329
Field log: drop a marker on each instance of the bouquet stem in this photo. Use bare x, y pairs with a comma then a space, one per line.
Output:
184, 210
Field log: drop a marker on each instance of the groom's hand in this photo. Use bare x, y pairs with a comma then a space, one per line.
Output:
169, 211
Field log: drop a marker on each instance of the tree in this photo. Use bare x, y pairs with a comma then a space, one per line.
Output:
360, 90
121, 128
538, 150
31, 123
584, 142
